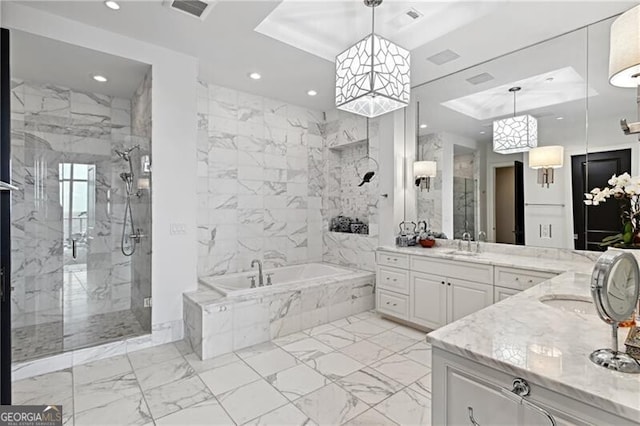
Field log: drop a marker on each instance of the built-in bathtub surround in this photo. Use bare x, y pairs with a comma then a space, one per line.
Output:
260, 182
63, 142
217, 324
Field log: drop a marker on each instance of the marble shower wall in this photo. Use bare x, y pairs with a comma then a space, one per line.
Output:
141, 206
465, 174
54, 125
261, 176
345, 139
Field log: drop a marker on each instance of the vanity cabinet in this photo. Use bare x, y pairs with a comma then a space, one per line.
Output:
431, 292
469, 391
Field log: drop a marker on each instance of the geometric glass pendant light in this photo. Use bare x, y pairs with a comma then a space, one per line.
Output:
515, 134
373, 75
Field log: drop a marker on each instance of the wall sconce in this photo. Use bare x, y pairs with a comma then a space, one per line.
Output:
545, 159
423, 171
624, 58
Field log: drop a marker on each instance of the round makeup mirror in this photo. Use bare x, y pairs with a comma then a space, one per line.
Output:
615, 287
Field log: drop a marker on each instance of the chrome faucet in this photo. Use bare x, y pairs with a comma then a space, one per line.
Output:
482, 236
260, 277
467, 237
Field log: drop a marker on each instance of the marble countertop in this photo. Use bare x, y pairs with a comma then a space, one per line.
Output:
524, 337
532, 259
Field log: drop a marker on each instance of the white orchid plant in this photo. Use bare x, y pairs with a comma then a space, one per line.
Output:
625, 189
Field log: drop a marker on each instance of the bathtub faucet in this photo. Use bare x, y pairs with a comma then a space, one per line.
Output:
260, 277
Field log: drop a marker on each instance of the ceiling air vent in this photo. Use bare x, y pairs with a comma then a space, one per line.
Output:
443, 57
404, 19
194, 8
480, 78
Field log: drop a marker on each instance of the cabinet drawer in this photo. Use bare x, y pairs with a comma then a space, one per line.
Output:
393, 304
501, 293
386, 258
520, 279
393, 279
453, 269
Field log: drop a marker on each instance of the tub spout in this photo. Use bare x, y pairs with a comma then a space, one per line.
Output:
255, 262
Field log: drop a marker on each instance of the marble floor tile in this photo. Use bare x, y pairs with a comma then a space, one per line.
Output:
272, 361
201, 366
102, 391
47, 389
250, 401
393, 341
154, 355
366, 315
335, 365
343, 322
307, 349
229, 377
366, 352
130, 410
163, 373
371, 418
423, 385
420, 352
184, 347
411, 332
297, 381
369, 385
319, 329
382, 322
331, 405
337, 338
401, 369
101, 369
175, 396
364, 329
255, 350
407, 407
289, 415
209, 412
290, 338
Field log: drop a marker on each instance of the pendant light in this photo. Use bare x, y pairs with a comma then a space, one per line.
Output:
373, 75
515, 134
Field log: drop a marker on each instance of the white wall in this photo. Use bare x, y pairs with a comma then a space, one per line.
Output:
174, 146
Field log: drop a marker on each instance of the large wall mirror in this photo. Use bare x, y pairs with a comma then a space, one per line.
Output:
559, 95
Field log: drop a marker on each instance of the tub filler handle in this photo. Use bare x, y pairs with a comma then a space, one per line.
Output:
269, 274
253, 281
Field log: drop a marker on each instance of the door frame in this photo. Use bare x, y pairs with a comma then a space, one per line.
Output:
491, 198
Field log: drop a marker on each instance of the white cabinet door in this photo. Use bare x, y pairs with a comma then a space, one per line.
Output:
469, 397
501, 293
465, 297
427, 300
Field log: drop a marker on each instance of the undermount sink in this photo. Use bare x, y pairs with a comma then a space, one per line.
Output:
574, 304
462, 253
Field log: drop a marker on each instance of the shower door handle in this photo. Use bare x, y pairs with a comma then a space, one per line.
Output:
4, 186
74, 251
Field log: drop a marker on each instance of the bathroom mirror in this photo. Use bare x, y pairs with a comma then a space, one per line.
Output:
572, 111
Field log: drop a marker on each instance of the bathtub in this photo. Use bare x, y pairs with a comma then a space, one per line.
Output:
240, 283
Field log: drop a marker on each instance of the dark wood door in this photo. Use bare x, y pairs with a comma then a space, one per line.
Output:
519, 202
593, 223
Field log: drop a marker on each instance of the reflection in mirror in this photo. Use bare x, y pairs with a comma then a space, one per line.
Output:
513, 163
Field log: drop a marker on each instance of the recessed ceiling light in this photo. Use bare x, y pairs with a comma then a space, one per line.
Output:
423, 126
312, 92
112, 5
559, 118
255, 76
100, 78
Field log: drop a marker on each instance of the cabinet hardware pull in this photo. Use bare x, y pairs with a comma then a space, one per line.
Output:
395, 279
442, 282
448, 284
471, 419
521, 389
395, 304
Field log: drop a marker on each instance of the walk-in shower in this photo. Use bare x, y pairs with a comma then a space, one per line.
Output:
130, 238
81, 156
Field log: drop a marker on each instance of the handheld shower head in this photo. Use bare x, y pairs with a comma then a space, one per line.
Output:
125, 155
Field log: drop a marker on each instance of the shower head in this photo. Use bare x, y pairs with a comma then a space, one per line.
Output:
125, 153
